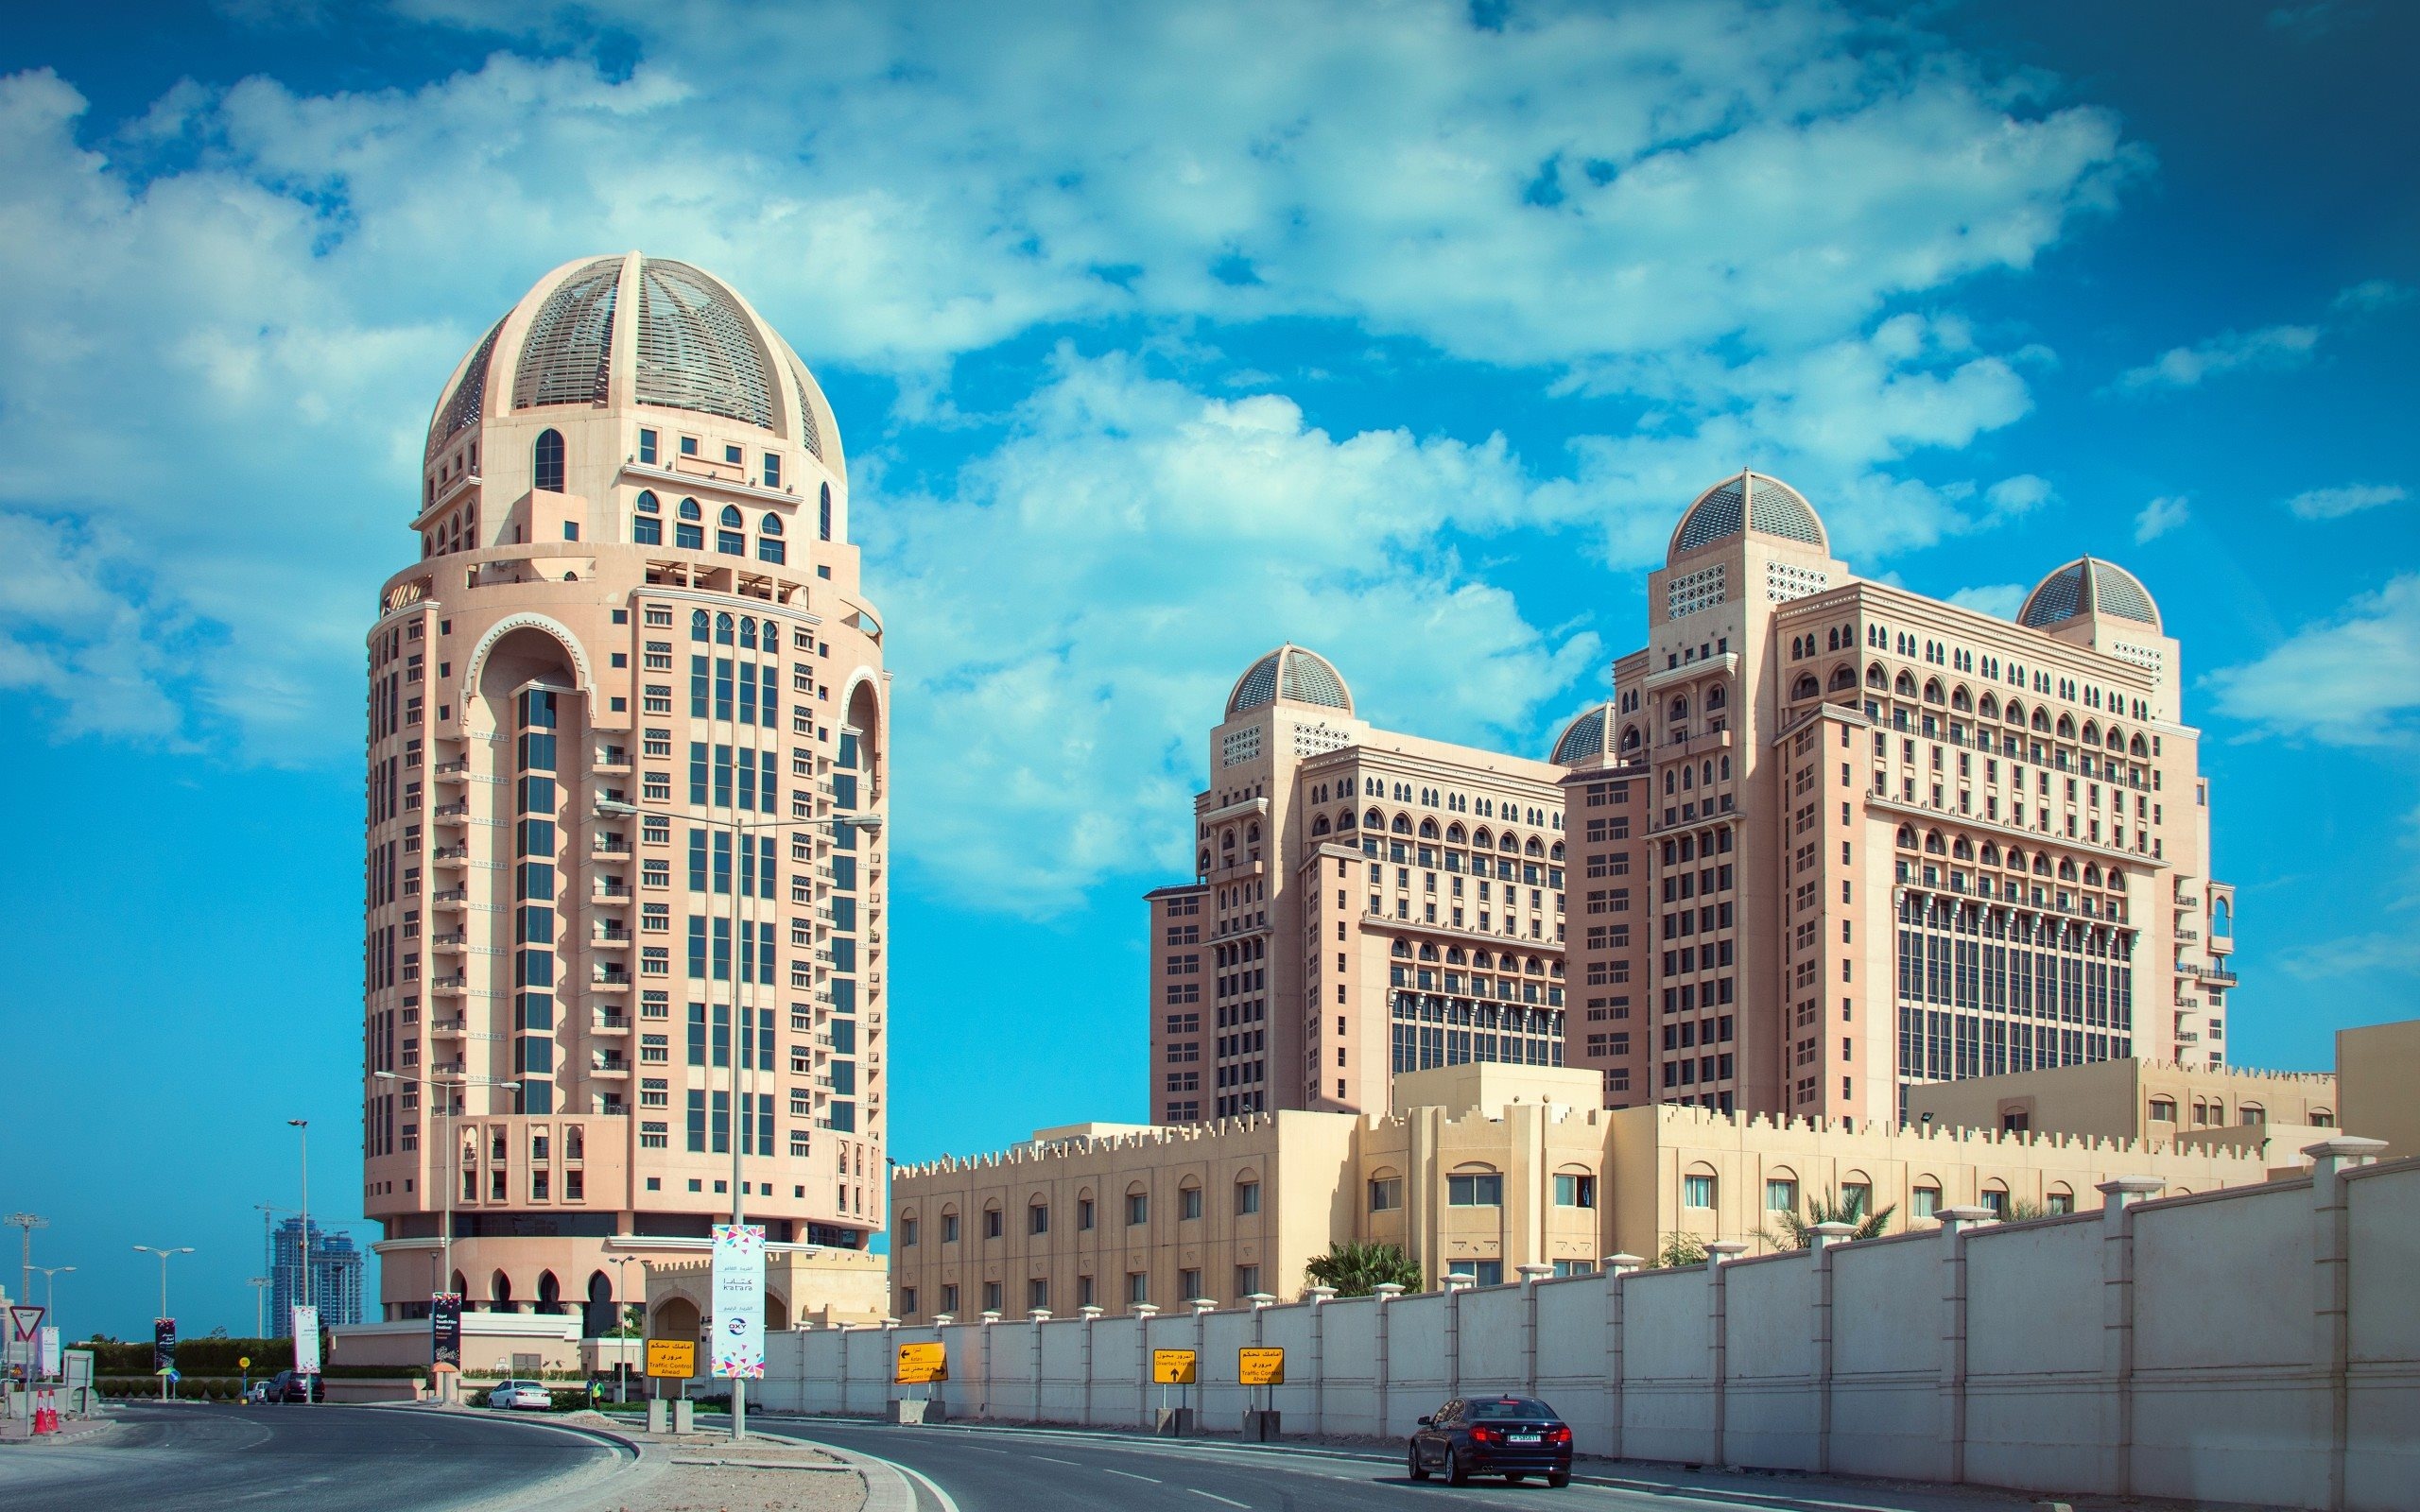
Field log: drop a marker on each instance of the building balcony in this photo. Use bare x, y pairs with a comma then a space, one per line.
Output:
449, 1028
450, 897
2187, 1037
610, 892
450, 987
456, 770
2222, 944
457, 811
2189, 936
611, 1023
618, 939
453, 944
610, 845
613, 759
609, 1063
452, 855
2218, 976
611, 979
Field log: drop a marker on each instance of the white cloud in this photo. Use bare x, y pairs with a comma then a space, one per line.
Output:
2374, 294
2019, 496
229, 315
2352, 681
2332, 504
2269, 347
2001, 599
2161, 516
1085, 596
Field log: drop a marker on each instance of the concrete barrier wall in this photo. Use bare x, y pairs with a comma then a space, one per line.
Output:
2259, 1344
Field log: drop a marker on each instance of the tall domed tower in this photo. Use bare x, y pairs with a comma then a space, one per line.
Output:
628, 736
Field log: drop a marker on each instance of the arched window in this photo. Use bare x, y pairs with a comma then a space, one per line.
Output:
1906, 686
1374, 820
1344, 820
1680, 707
1842, 678
1989, 708
769, 545
1403, 824
1805, 687
647, 528
1715, 698
547, 461
697, 625
1961, 699
823, 512
1428, 829
723, 629
689, 531
747, 634
731, 538
1932, 690
1320, 825
1875, 677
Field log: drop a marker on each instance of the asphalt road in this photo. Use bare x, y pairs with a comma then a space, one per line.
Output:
327, 1459
1025, 1470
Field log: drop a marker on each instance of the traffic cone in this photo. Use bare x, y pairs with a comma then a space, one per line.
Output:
47, 1416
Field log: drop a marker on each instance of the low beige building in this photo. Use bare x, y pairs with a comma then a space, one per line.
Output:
2376, 1069
1482, 1171
802, 1289
2153, 1100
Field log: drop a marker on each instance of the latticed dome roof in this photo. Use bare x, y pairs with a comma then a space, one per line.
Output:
1584, 739
1289, 675
1749, 502
2088, 586
695, 346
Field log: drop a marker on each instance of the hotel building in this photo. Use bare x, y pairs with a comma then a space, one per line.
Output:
1363, 902
626, 714
1836, 840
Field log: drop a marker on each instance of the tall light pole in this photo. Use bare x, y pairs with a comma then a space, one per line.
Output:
302, 1127
260, 1285
28, 1222
163, 1254
871, 825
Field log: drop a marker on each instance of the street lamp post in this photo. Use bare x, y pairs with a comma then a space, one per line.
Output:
453, 1161
28, 1222
302, 1127
871, 824
163, 1254
50, 1275
260, 1285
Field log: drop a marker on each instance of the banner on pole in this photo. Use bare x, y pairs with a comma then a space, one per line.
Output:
307, 1340
163, 1344
445, 1331
46, 1357
739, 1300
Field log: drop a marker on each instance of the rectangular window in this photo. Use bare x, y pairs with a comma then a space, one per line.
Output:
1247, 1199
1247, 1282
647, 445
1188, 1284
1575, 1191
1188, 1204
1037, 1218
1927, 1201
1781, 1196
1481, 1272
1138, 1208
1697, 1191
1478, 1189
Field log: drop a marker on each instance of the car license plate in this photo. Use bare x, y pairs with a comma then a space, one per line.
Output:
1520, 1439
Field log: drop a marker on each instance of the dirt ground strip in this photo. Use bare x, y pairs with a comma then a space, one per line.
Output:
706, 1472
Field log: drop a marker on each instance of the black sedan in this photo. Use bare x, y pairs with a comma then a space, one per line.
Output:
1510, 1436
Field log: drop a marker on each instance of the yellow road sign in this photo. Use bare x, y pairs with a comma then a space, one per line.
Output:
1258, 1367
1172, 1367
921, 1363
673, 1358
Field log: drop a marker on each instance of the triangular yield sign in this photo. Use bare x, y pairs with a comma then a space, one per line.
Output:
24, 1321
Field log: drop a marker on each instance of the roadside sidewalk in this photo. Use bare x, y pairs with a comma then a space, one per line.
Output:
19, 1433
706, 1472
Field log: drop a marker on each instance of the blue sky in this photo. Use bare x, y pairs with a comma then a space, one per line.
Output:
1158, 334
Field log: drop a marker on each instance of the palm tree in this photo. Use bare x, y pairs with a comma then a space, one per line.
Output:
1795, 1233
1682, 1248
1355, 1269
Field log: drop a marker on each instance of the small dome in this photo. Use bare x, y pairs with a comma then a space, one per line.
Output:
1750, 502
1289, 675
1584, 739
2088, 586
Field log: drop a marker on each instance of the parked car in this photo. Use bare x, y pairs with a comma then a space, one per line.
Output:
1512, 1436
256, 1393
287, 1386
527, 1395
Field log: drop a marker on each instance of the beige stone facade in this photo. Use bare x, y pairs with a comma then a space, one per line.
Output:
1360, 898
635, 591
2378, 1070
1828, 841
2136, 1099
1485, 1169
1837, 840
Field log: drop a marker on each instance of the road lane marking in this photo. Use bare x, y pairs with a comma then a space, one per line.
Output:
1129, 1475
1055, 1460
1216, 1497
